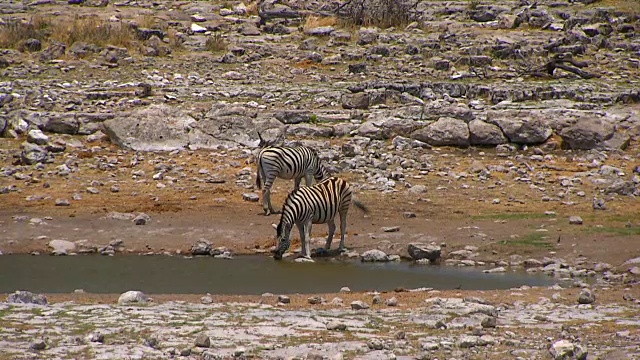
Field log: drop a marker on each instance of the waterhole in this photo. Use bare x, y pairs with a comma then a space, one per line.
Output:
244, 275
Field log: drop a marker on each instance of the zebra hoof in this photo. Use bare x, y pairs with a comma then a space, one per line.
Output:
304, 259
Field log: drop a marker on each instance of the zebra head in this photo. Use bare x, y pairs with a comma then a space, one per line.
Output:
283, 230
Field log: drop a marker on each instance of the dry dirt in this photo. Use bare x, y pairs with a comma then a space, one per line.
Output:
189, 210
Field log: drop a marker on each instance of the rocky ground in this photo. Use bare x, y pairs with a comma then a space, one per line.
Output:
498, 134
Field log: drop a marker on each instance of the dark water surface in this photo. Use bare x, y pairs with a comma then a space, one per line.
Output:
242, 275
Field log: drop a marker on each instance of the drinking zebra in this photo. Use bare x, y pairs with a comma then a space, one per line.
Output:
286, 163
317, 204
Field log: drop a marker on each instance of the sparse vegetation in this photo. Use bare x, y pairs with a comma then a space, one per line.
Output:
380, 13
175, 42
252, 8
91, 30
627, 231
533, 239
314, 21
511, 216
473, 4
14, 34
216, 43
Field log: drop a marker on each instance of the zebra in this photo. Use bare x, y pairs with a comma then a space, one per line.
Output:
317, 204
286, 163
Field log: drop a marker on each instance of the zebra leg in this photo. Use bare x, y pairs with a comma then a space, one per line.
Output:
296, 184
305, 239
266, 195
302, 239
266, 201
343, 230
308, 178
332, 230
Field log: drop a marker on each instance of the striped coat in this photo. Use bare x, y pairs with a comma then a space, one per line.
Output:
317, 204
286, 163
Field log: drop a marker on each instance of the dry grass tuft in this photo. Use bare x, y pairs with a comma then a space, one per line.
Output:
252, 8
216, 43
314, 21
380, 13
14, 34
629, 6
175, 42
91, 30
146, 21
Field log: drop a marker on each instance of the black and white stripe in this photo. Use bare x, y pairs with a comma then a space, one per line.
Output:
317, 204
287, 163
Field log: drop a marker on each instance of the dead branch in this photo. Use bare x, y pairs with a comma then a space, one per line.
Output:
561, 61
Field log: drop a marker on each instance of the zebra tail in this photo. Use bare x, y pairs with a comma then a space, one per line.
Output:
360, 206
258, 179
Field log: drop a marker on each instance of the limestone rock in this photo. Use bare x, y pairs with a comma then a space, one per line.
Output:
444, 132
62, 247
26, 297
155, 128
419, 251
32, 153
593, 133
36, 136
527, 131
132, 296
374, 255
482, 133
586, 297
359, 305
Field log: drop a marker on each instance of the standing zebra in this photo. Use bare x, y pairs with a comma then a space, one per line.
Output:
286, 163
317, 204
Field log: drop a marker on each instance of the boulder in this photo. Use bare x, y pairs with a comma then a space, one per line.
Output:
525, 131
32, 153
158, 127
586, 297
16, 125
26, 297
293, 116
4, 124
359, 305
384, 127
203, 341
445, 131
484, 134
355, 101
36, 136
61, 247
201, 247
309, 130
249, 29
132, 296
374, 255
593, 133
61, 123
419, 251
